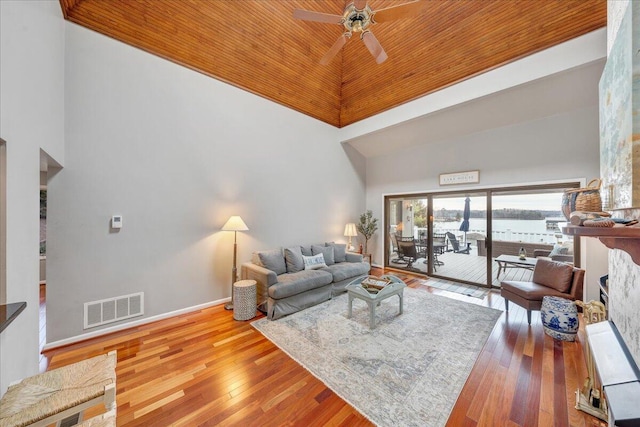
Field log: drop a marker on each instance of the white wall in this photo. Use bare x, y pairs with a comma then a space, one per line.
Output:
176, 153
564, 146
31, 118
595, 256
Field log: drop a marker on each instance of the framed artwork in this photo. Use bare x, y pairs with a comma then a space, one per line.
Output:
468, 177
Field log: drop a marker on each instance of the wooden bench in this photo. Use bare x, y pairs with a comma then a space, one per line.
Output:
57, 395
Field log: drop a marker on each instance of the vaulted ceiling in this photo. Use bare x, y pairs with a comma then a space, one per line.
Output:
258, 46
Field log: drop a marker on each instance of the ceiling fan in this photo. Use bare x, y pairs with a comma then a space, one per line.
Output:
357, 18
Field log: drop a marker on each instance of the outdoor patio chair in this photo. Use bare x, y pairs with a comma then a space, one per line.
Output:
456, 244
394, 246
407, 247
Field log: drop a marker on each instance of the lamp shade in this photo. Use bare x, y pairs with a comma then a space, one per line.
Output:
350, 230
235, 223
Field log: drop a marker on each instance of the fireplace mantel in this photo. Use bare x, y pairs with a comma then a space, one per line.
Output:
623, 238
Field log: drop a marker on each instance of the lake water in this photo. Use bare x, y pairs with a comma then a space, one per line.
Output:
508, 229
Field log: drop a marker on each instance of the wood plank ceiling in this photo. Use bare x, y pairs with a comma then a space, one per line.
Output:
256, 45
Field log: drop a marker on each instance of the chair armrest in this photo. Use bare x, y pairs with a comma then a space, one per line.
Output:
259, 274
263, 277
353, 257
540, 252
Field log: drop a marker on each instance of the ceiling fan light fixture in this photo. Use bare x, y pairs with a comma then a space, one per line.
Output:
356, 18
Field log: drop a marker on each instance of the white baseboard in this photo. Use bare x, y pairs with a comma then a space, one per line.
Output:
116, 328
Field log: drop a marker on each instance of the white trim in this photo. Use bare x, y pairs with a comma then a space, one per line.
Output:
117, 328
582, 181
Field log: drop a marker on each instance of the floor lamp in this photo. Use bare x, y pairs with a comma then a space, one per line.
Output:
235, 224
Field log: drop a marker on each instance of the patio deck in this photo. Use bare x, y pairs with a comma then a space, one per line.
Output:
471, 268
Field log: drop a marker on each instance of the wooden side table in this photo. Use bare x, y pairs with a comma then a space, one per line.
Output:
244, 299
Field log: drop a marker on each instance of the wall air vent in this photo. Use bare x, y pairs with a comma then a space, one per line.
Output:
97, 313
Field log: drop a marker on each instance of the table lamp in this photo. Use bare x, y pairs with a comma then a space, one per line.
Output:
235, 224
350, 231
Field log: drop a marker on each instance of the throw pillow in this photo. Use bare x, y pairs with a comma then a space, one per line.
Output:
326, 251
306, 250
339, 251
273, 260
293, 258
553, 274
559, 250
313, 262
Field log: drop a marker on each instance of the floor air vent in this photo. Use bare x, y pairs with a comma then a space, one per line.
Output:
97, 313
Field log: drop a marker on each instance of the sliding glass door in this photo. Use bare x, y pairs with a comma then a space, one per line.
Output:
407, 231
473, 236
459, 226
527, 224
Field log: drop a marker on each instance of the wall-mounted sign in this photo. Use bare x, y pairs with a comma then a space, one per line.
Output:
469, 177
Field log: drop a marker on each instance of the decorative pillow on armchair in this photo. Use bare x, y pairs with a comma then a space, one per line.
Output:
565, 248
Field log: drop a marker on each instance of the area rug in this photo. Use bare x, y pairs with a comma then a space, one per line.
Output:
408, 371
460, 288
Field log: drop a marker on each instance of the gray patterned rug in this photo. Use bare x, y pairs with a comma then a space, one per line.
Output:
408, 371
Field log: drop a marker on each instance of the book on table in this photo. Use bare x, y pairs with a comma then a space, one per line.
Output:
375, 283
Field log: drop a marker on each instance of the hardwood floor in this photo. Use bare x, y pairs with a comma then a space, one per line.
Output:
204, 368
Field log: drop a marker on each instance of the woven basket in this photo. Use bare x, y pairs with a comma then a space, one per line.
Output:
585, 199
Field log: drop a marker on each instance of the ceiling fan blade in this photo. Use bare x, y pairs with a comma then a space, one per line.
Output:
307, 15
397, 12
360, 4
374, 46
334, 49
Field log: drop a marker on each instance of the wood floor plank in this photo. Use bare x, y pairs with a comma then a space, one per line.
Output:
205, 368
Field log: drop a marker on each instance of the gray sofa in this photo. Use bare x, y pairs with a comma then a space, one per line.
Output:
285, 286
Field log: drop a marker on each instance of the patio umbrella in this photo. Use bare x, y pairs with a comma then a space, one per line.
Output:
465, 218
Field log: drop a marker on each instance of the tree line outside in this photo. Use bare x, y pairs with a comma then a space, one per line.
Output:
420, 214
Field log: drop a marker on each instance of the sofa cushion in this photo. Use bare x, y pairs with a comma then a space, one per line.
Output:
273, 260
552, 274
313, 262
326, 251
295, 283
293, 259
339, 251
347, 270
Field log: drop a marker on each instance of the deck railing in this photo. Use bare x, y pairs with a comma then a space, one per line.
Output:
508, 235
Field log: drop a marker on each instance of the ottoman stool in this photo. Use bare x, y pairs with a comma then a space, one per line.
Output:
559, 318
244, 299
61, 395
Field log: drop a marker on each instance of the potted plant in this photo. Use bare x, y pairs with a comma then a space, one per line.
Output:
367, 226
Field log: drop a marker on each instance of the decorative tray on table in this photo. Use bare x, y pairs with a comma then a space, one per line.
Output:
374, 284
